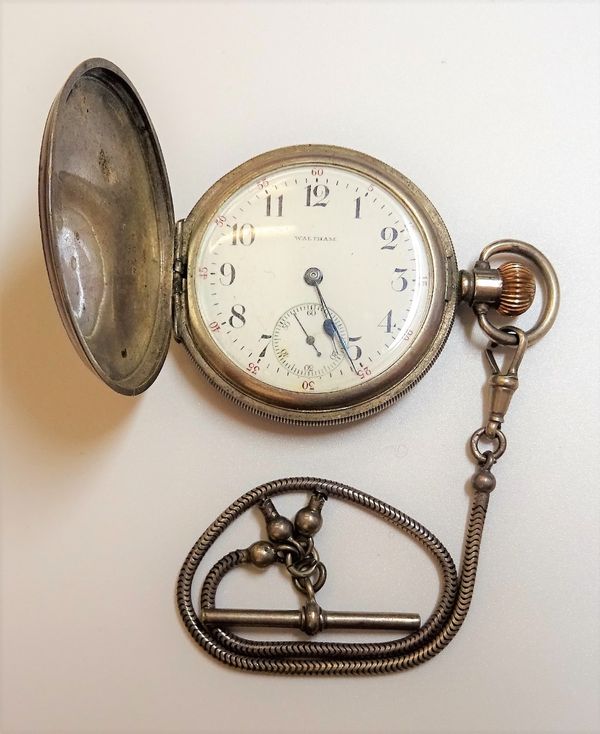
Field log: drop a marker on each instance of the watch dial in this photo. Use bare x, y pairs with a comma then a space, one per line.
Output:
312, 279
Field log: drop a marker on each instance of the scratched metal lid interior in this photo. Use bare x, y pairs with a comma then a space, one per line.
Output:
107, 226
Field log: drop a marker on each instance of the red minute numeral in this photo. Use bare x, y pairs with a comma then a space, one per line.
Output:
203, 273
317, 171
263, 184
214, 326
363, 372
253, 368
220, 220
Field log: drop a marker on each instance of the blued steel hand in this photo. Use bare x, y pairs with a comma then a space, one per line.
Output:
309, 339
313, 276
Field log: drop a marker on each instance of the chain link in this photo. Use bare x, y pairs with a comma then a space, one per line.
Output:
482, 456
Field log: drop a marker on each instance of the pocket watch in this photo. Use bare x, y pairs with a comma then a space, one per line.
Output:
313, 284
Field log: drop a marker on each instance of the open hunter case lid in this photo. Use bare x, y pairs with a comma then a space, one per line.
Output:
107, 223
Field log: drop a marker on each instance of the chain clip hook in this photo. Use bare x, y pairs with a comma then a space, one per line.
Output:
503, 384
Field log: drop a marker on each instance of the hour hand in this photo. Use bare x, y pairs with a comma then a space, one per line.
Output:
330, 330
329, 327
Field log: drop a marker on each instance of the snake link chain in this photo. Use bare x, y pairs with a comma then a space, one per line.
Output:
294, 547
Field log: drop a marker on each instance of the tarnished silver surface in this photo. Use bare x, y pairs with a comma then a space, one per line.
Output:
293, 619
333, 658
503, 385
293, 544
551, 294
107, 226
483, 284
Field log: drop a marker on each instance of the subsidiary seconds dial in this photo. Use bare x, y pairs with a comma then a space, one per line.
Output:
304, 346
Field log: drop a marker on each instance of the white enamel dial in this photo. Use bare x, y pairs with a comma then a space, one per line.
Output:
312, 279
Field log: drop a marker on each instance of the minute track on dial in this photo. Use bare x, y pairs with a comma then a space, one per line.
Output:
375, 263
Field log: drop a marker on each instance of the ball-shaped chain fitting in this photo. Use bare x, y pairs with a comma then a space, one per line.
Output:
483, 481
261, 554
279, 529
308, 521
312, 618
518, 289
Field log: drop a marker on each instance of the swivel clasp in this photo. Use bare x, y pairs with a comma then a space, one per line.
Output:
503, 384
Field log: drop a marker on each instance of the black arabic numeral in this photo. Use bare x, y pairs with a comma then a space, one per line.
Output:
386, 322
357, 209
279, 205
264, 351
389, 235
237, 318
228, 272
399, 282
354, 350
244, 234
320, 193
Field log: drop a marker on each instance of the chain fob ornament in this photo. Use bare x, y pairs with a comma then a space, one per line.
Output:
312, 285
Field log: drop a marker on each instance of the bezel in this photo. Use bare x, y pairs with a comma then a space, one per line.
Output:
360, 400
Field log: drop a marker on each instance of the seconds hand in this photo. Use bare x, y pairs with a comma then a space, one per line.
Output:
313, 276
309, 339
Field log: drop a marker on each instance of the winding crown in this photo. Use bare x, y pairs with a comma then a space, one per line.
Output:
518, 289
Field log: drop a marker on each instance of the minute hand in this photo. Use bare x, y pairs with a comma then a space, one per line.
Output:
330, 327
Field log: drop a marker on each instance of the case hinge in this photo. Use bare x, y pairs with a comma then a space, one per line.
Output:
179, 281
451, 282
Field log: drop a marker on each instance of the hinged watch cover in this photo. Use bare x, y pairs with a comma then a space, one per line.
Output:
107, 226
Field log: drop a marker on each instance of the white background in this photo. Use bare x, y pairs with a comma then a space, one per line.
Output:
492, 109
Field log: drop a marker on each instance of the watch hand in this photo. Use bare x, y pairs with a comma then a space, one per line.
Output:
313, 276
328, 325
309, 339
330, 328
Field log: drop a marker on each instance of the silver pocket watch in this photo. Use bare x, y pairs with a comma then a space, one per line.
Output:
313, 284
